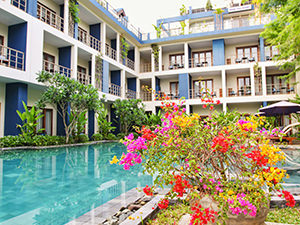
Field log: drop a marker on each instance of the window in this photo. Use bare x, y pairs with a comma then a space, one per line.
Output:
202, 87
46, 121
275, 85
177, 60
46, 14
202, 58
49, 62
244, 86
174, 89
270, 52
82, 35
247, 53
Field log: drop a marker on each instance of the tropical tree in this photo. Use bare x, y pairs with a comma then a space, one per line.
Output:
104, 126
208, 5
284, 31
65, 95
130, 112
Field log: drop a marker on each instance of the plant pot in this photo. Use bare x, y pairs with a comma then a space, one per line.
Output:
241, 219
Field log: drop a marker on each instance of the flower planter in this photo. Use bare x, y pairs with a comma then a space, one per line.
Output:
241, 219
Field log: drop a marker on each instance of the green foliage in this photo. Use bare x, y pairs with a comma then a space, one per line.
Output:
158, 29
183, 25
226, 119
105, 127
284, 31
183, 10
208, 5
30, 120
46, 140
124, 48
155, 52
111, 137
80, 123
153, 119
121, 135
284, 216
74, 10
219, 11
131, 113
63, 94
97, 137
81, 138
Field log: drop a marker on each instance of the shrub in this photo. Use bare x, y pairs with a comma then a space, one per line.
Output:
47, 140
97, 137
11, 141
121, 135
111, 137
81, 138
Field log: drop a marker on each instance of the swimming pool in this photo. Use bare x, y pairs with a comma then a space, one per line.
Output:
55, 186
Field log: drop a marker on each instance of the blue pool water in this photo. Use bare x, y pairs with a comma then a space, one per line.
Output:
56, 186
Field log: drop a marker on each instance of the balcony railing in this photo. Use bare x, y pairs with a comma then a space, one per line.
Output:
54, 68
238, 60
197, 94
145, 68
146, 96
243, 91
12, 58
21, 4
172, 96
277, 89
83, 78
174, 66
193, 63
115, 89
50, 17
127, 62
89, 40
130, 94
245, 22
202, 27
110, 52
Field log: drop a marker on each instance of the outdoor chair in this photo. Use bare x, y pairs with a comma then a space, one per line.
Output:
252, 59
238, 61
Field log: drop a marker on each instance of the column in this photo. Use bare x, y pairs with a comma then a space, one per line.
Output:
264, 81
225, 107
74, 61
152, 63
186, 55
153, 87
138, 88
66, 17
16, 93
137, 59
103, 37
160, 59
252, 81
123, 84
105, 79
118, 47
187, 106
93, 70
224, 85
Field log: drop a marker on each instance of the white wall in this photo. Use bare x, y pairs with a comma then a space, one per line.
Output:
166, 58
230, 50
2, 108
245, 107
83, 63
232, 80
84, 26
165, 84
51, 5
51, 50
4, 32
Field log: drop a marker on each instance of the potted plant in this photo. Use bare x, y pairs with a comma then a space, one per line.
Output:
223, 163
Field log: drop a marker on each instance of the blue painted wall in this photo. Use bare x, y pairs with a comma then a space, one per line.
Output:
265, 104
14, 95
95, 30
115, 121
218, 52
113, 44
19, 3
60, 129
61, 11
184, 85
64, 58
157, 85
105, 81
91, 121
115, 77
17, 39
32, 7
131, 84
131, 55
262, 49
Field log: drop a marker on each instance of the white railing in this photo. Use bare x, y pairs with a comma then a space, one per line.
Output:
202, 27
146, 96
238, 60
50, 17
279, 89
21, 4
200, 63
115, 89
197, 94
54, 68
12, 58
243, 91
89, 40
245, 22
145, 68
174, 66
127, 62
110, 52
130, 94
83, 78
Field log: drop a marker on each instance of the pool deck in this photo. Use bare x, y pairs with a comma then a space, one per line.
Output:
101, 213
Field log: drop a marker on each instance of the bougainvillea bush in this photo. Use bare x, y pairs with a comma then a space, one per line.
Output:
221, 156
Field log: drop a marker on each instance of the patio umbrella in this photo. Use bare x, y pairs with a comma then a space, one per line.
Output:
280, 108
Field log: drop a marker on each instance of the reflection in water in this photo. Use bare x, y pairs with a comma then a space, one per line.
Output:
58, 185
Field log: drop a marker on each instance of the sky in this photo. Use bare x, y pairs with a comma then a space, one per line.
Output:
144, 13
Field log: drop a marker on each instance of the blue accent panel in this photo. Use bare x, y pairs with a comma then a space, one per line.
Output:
76, 30
218, 52
17, 38
191, 109
265, 104
91, 121
262, 49
32, 7
184, 85
105, 81
157, 85
62, 9
113, 44
115, 121
130, 55
115, 77
15, 94
95, 30
64, 57
60, 129
131, 84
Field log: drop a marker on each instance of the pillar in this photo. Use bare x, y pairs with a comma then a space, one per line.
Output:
264, 81
93, 70
123, 84
160, 59
103, 37
252, 81
186, 55
118, 48
105, 81
74, 61
137, 60
224, 85
66, 17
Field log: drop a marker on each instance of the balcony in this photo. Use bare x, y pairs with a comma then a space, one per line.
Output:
202, 27
130, 94
83, 78
145, 68
172, 96
197, 94
21, 4
243, 91
12, 58
199, 63
50, 17
89, 40
54, 68
115, 89
240, 60
146, 96
174, 66
110, 52
127, 62
280, 89
231, 23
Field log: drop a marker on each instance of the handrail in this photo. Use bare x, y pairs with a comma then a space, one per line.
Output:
197, 94
89, 40
12, 58
127, 62
130, 94
244, 91
21, 4
146, 96
83, 78
54, 68
115, 89
277, 89
110, 52
175, 66
236, 60
199, 63
146, 67
50, 17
